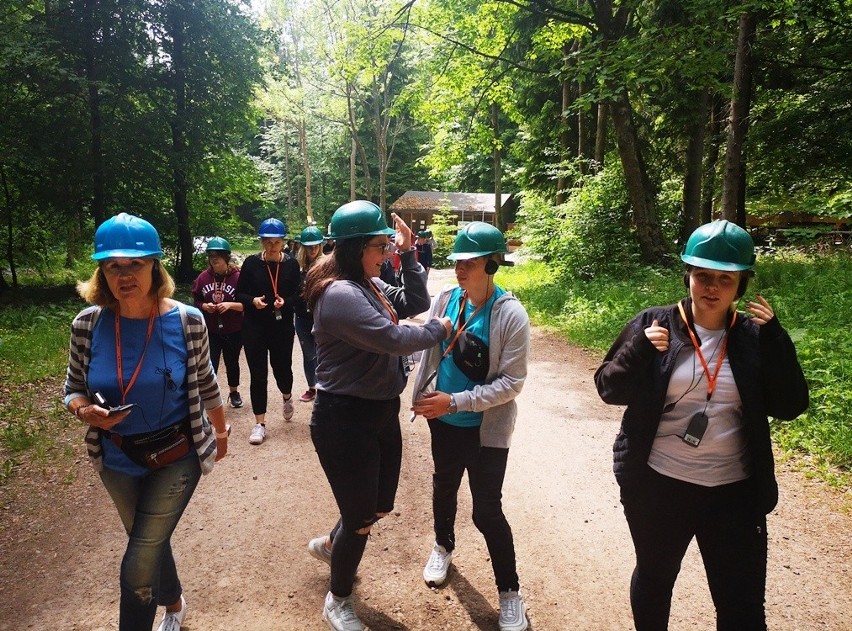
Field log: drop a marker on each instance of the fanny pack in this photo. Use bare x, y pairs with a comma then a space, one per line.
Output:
470, 355
157, 449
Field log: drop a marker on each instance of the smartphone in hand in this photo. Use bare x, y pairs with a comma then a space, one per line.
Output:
112, 409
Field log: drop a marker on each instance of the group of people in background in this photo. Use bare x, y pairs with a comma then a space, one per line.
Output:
693, 456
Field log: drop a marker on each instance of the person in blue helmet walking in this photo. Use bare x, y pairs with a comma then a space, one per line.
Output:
139, 377
466, 388
362, 367
267, 288
693, 456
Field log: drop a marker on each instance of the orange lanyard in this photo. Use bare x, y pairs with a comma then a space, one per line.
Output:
118, 362
275, 280
462, 305
391, 311
711, 379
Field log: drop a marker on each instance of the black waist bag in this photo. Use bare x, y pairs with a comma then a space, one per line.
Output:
470, 355
155, 450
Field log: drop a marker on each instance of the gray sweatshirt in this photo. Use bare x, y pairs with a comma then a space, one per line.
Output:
508, 347
359, 348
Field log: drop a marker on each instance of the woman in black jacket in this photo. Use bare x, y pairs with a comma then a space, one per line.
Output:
693, 456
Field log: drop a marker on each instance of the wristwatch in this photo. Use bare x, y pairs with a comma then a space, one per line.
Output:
453, 408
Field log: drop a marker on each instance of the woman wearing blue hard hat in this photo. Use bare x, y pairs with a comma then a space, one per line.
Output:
693, 457
268, 286
360, 375
466, 388
309, 254
139, 376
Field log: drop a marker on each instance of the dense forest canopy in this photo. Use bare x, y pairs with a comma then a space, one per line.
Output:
632, 120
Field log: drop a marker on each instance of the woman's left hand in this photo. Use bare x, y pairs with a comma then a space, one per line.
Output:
760, 311
404, 236
432, 405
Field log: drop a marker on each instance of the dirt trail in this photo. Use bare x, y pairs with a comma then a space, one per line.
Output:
241, 545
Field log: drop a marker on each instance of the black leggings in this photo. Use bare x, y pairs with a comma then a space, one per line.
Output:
228, 346
359, 445
270, 342
664, 515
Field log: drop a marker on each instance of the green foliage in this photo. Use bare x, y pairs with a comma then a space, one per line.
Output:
444, 233
586, 236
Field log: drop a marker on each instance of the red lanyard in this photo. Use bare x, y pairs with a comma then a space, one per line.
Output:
275, 280
462, 305
711, 379
118, 367
391, 311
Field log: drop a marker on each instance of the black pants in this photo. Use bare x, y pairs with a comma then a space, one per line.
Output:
227, 345
359, 445
270, 342
664, 515
455, 449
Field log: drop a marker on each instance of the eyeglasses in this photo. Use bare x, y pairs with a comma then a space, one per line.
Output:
114, 269
384, 247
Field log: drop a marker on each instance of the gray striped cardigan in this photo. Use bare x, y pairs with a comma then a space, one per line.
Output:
202, 387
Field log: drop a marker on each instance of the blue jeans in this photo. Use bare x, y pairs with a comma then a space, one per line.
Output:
664, 514
309, 349
150, 507
454, 450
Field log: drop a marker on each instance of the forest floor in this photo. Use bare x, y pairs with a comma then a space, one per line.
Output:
241, 546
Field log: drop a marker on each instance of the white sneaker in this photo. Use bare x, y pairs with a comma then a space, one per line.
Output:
257, 434
513, 612
173, 619
339, 614
317, 549
288, 408
435, 572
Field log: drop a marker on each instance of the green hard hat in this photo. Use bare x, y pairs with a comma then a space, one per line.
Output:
311, 236
719, 245
358, 219
218, 244
478, 239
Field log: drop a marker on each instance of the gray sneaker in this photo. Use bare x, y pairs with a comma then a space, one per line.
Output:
513, 612
339, 614
317, 549
258, 434
172, 620
288, 408
436, 568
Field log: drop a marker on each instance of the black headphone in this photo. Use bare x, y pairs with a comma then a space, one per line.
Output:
156, 278
491, 267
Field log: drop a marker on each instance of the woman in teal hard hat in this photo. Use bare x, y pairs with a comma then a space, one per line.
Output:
215, 293
139, 376
693, 457
362, 368
267, 287
466, 387
309, 254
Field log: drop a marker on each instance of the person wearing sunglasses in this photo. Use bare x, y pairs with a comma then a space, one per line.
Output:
140, 377
362, 368
466, 388
693, 457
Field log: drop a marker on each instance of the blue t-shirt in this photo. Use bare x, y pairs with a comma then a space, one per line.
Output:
160, 392
450, 378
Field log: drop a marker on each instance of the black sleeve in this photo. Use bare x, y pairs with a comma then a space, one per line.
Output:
620, 377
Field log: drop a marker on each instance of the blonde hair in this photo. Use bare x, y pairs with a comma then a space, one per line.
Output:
302, 256
95, 291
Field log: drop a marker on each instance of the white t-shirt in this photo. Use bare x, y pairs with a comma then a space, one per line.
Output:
720, 457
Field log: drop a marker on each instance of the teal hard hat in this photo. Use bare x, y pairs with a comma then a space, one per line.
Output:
311, 236
719, 245
126, 236
218, 244
271, 228
478, 239
358, 219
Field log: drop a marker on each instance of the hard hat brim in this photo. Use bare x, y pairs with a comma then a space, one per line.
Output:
127, 254
722, 266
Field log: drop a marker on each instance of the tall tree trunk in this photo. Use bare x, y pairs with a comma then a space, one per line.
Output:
564, 130
352, 154
648, 233
95, 120
711, 157
178, 126
303, 146
600, 135
738, 122
353, 131
10, 232
500, 220
288, 174
691, 211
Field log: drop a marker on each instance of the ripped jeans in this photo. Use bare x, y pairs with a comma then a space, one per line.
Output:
150, 507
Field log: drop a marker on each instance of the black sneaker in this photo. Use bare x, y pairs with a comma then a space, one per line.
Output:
234, 398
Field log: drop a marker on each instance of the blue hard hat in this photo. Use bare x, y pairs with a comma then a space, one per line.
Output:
126, 236
271, 228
